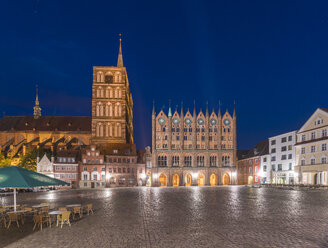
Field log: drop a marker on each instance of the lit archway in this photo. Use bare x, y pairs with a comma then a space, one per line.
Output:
213, 180
175, 180
162, 180
188, 180
148, 180
226, 179
201, 180
250, 180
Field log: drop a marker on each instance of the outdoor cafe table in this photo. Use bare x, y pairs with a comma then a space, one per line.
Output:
18, 212
10, 206
40, 206
55, 213
73, 205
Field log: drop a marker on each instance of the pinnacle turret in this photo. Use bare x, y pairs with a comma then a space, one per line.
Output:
36, 108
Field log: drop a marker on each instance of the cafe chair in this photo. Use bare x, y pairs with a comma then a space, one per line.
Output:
88, 209
39, 220
3, 217
13, 218
77, 210
63, 219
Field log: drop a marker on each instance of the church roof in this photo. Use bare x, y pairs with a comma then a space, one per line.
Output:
119, 149
260, 149
46, 123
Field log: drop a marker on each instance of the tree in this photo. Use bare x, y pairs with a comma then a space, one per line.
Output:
28, 161
4, 162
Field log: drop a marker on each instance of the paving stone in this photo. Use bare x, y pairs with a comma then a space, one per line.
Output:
234, 216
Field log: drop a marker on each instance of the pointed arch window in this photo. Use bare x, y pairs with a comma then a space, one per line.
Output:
226, 160
162, 161
200, 161
187, 161
175, 161
213, 160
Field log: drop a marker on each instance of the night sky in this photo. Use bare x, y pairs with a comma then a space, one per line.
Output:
268, 56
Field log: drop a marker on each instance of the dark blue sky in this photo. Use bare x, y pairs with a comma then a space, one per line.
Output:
269, 56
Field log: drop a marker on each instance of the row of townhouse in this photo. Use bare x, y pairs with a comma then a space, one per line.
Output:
122, 166
297, 157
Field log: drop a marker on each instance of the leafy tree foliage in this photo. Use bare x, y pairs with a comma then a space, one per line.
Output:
4, 162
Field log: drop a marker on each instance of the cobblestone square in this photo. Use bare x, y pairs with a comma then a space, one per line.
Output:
234, 216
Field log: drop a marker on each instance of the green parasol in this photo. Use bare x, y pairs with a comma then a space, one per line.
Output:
16, 177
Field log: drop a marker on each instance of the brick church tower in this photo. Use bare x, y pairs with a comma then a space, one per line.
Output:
112, 105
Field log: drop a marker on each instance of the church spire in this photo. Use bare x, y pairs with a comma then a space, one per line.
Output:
154, 107
219, 109
37, 109
194, 109
234, 109
120, 56
170, 112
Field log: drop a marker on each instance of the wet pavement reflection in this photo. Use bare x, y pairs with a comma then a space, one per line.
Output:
234, 216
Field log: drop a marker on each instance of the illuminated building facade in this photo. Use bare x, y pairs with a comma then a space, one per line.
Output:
193, 148
252, 166
311, 150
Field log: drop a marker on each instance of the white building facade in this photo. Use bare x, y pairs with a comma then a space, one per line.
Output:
45, 166
282, 157
312, 151
265, 168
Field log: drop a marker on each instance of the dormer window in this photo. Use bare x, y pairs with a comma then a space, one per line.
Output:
26, 123
48, 124
69, 124
115, 151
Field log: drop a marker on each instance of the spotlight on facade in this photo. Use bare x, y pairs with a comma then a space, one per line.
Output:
233, 174
108, 176
195, 174
143, 176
